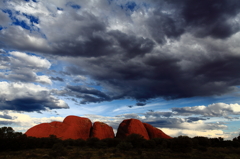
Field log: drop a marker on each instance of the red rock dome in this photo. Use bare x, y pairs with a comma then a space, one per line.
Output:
131, 126
155, 132
73, 127
102, 130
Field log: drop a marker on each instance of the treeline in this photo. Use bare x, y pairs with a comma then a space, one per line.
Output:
13, 141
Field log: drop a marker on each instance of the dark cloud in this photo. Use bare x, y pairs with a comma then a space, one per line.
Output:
140, 104
214, 18
88, 95
29, 104
6, 123
158, 114
57, 79
131, 45
162, 25
211, 18
5, 116
160, 75
192, 119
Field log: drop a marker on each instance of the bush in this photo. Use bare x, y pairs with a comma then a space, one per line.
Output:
124, 146
150, 144
182, 144
58, 150
136, 140
111, 142
100, 145
91, 142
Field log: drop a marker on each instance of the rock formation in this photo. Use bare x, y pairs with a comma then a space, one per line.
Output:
155, 132
102, 130
78, 128
131, 126
74, 127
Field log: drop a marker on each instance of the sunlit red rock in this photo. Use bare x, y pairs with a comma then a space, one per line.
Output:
73, 127
101, 130
131, 126
155, 132
78, 128
42, 130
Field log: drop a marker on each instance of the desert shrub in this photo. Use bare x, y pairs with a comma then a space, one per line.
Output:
91, 142
182, 144
58, 150
136, 140
80, 143
100, 144
150, 144
111, 142
124, 146
88, 155
201, 141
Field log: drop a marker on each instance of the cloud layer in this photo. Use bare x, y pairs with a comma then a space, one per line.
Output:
144, 50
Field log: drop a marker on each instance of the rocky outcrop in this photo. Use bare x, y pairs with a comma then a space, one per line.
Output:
101, 130
131, 126
155, 132
79, 128
73, 127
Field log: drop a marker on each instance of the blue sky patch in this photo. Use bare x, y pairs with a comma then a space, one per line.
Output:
32, 18
22, 23
59, 8
131, 6
73, 5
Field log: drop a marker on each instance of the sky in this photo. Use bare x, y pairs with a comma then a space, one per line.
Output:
170, 63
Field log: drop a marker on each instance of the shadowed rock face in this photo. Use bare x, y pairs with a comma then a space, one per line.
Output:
73, 127
102, 131
131, 126
155, 132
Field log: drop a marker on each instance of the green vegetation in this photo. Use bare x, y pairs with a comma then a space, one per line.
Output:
15, 145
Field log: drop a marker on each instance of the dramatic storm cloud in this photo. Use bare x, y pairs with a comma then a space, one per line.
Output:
84, 55
27, 97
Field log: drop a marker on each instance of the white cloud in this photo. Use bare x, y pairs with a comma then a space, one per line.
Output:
22, 67
22, 122
43, 79
28, 97
212, 110
24, 60
193, 133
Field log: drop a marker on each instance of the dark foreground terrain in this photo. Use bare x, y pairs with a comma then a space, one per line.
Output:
15, 145
113, 153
